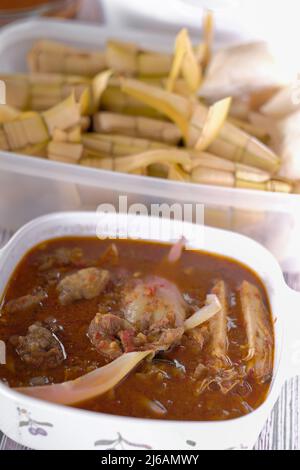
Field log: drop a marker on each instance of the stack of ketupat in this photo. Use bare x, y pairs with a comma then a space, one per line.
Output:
131, 110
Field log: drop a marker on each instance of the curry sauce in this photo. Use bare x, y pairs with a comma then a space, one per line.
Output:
186, 379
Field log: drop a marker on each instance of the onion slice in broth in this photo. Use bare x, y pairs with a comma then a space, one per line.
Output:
89, 385
212, 307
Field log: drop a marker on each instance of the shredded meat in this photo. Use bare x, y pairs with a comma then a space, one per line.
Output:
218, 327
26, 302
259, 332
224, 380
84, 284
40, 347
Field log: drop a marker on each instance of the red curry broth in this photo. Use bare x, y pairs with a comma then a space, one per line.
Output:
162, 389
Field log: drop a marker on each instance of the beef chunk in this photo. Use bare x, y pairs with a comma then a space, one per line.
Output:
104, 331
26, 302
84, 284
40, 347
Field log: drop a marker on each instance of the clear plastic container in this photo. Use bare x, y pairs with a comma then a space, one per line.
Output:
30, 187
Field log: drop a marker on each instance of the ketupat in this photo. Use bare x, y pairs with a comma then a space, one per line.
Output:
189, 61
139, 162
208, 36
26, 129
186, 165
102, 151
136, 126
64, 115
115, 100
39, 92
117, 161
31, 128
203, 129
8, 113
212, 170
175, 107
209, 169
258, 132
119, 145
130, 59
213, 123
64, 152
231, 143
185, 63
127, 58
161, 156
55, 57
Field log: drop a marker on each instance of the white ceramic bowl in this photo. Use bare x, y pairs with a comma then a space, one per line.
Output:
41, 425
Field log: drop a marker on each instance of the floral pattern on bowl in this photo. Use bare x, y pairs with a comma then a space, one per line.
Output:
34, 427
120, 443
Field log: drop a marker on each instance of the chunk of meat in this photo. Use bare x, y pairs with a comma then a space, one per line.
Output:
258, 331
40, 347
152, 317
84, 284
26, 302
104, 333
218, 327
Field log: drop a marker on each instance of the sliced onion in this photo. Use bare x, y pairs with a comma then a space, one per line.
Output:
90, 385
212, 307
176, 250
